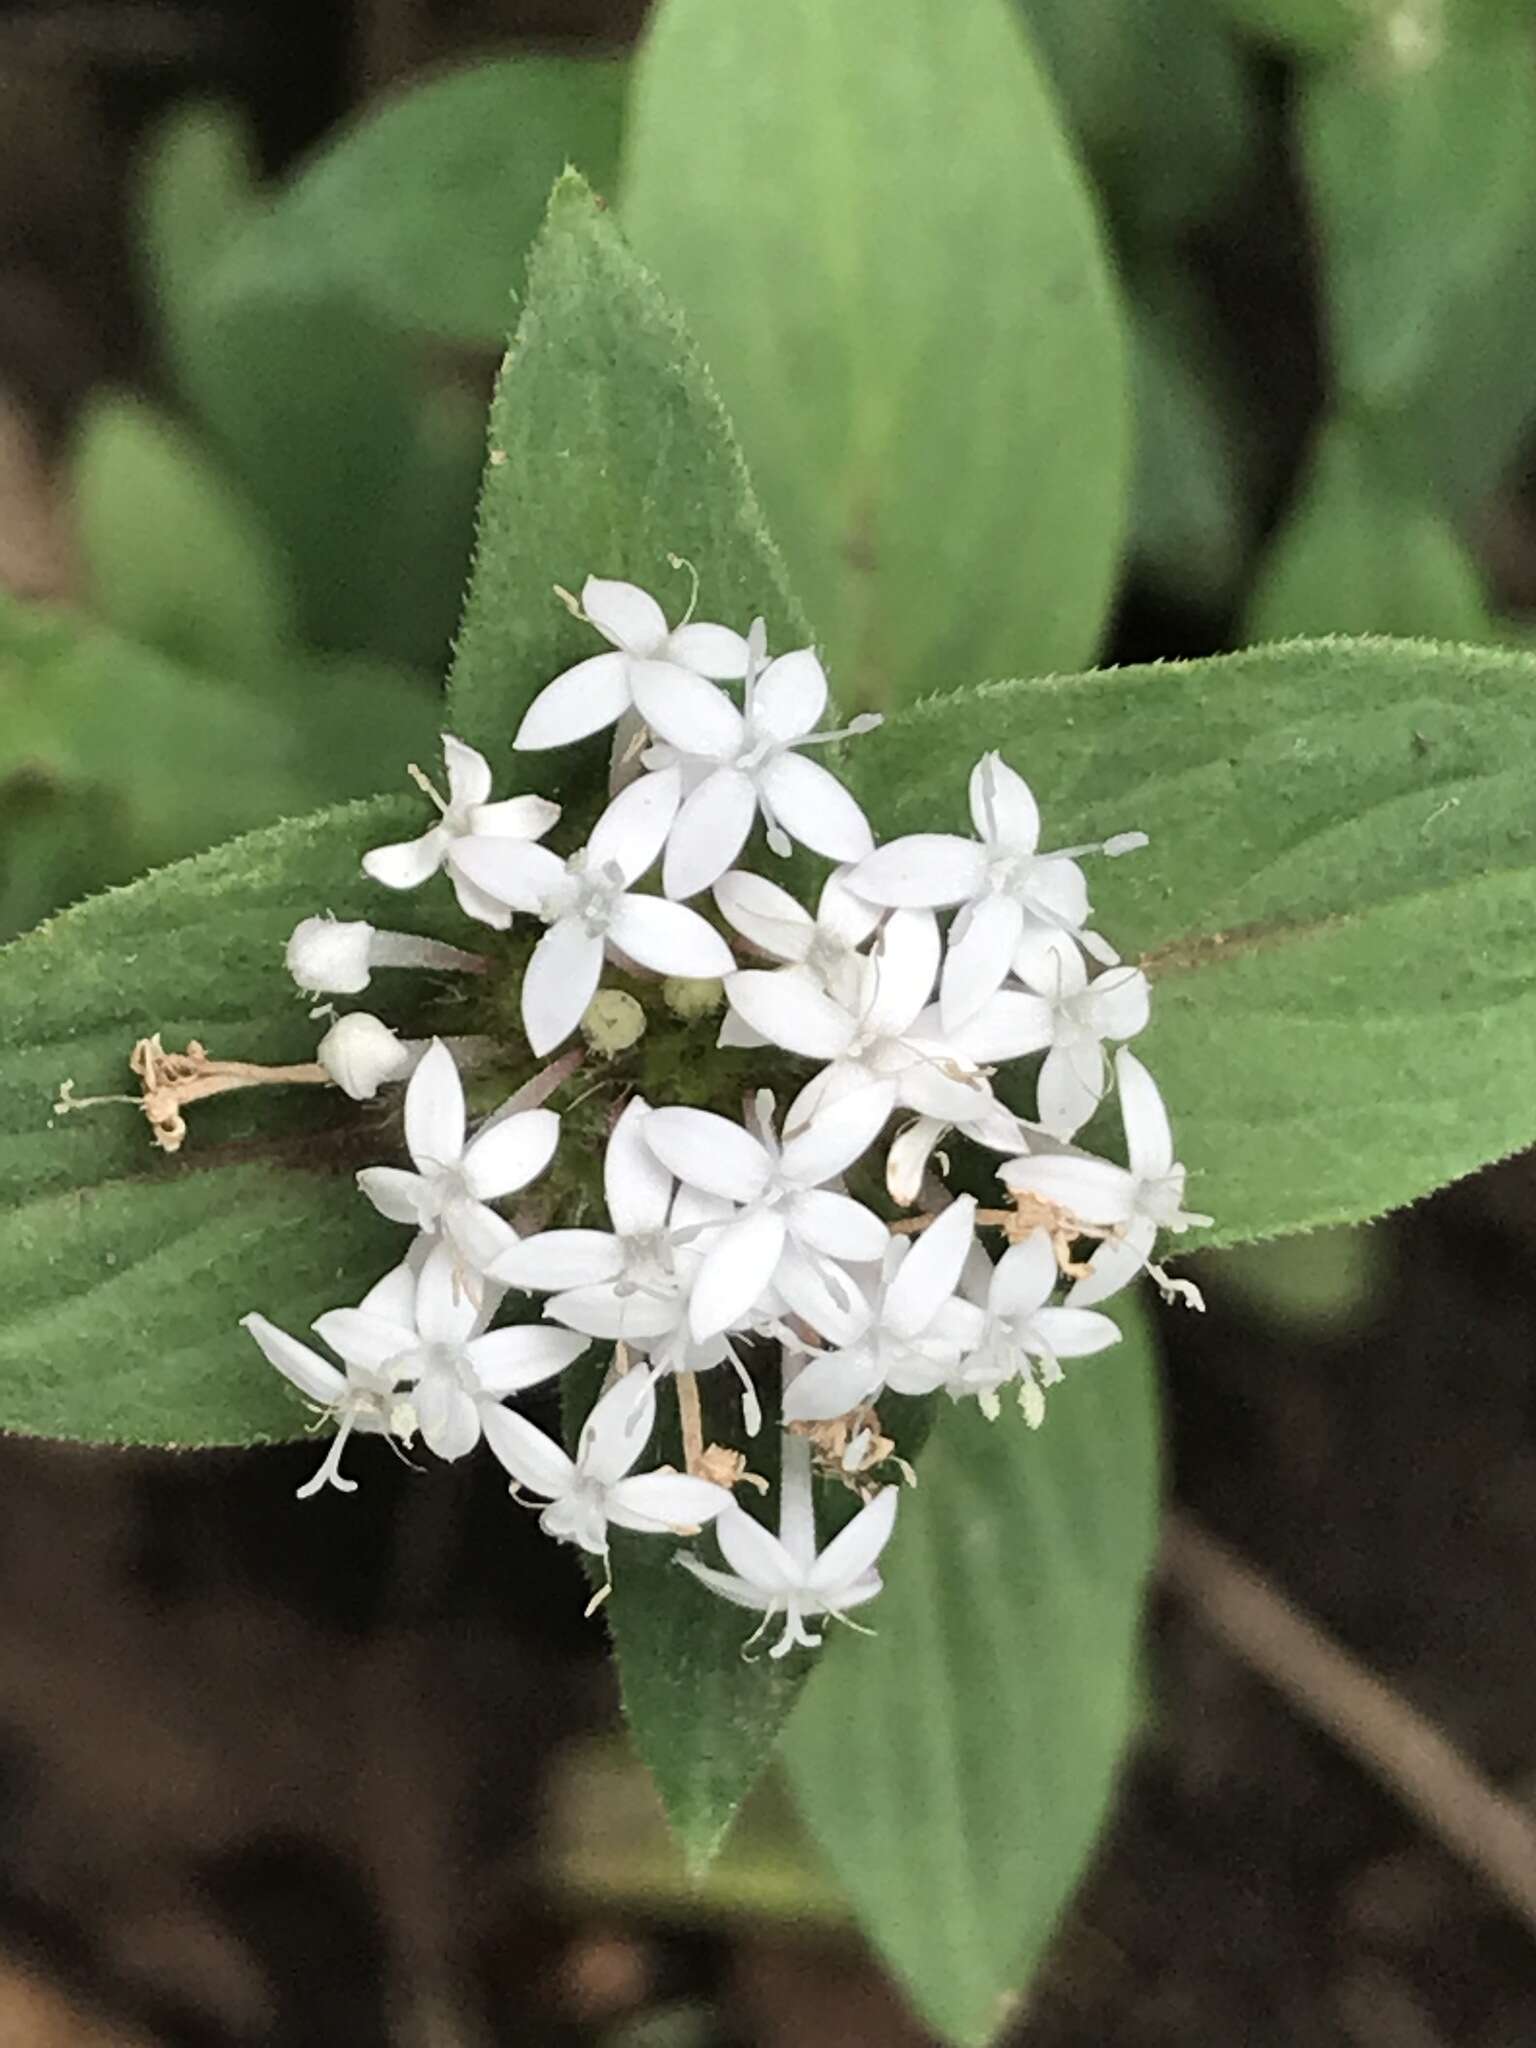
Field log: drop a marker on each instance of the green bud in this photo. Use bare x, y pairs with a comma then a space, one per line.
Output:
691, 1000
612, 1022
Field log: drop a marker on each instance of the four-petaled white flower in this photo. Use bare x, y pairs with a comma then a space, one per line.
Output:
1023, 1338
442, 1341
917, 1330
455, 1180
770, 919
589, 903
1115, 1005
370, 1397
786, 1574
1012, 896
599, 1487
468, 815
1133, 1203
791, 1233
737, 763
598, 691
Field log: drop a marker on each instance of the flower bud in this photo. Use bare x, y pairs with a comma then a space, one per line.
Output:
692, 1000
612, 1022
329, 956
361, 1053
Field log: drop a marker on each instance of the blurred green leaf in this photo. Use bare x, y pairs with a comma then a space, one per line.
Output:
122, 1271
57, 844
955, 1769
1364, 550
1336, 907
881, 241
1318, 1282
609, 451
172, 556
1421, 167
1159, 99
426, 205
1308, 28
196, 185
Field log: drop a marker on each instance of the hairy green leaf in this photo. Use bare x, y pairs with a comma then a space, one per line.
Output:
917, 340
955, 1769
1335, 908
1365, 550
609, 453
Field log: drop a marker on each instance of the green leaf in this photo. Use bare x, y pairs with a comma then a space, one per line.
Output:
609, 452
955, 1769
1307, 28
172, 556
1365, 550
917, 341
123, 1271
425, 207
1336, 907
195, 185
1421, 170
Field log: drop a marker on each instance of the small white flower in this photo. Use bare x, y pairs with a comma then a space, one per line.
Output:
917, 1331
769, 918
467, 816
1134, 1202
598, 691
741, 762
336, 956
369, 1397
589, 903
361, 1054
1024, 1338
454, 1180
1114, 1005
599, 1488
791, 1233
786, 1574
1007, 888
441, 1341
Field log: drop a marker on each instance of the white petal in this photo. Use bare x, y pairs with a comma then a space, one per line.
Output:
625, 614
906, 1163
402, 1197
832, 1384
709, 831
846, 916
930, 1272
1007, 1026
789, 696
708, 1152
735, 1273
1060, 887
446, 1310
1024, 1277
636, 1186
510, 1153
393, 1298
766, 914
510, 871
1076, 1332
979, 958
753, 1553
408, 864
815, 808
534, 1459
1119, 1002
1092, 1190
618, 1428
313, 1375
507, 1361
686, 711
713, 651
558, 1259
1002, 808
1148, 1134
1049, 960
666, 1500
838, 1226
726, 1585
938, 1083
472, 899
515, 817
669, 938
632, 831
478, 1234
924, 871
786, 1007
616, 1314
448, 1418
1069, 1086
904, 964
1115, 1264
827, 1299
853, 1551
560, 980
469, 774
434, 1109
580, 701
838, 1134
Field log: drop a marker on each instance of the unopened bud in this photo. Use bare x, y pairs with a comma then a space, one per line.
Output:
361, 1053
336, 956
612, 1022
692, 1000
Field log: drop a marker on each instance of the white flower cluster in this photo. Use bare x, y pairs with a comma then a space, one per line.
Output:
733, 1239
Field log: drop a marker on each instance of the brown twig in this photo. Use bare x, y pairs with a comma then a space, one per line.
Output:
1493, 1834
691, 1417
